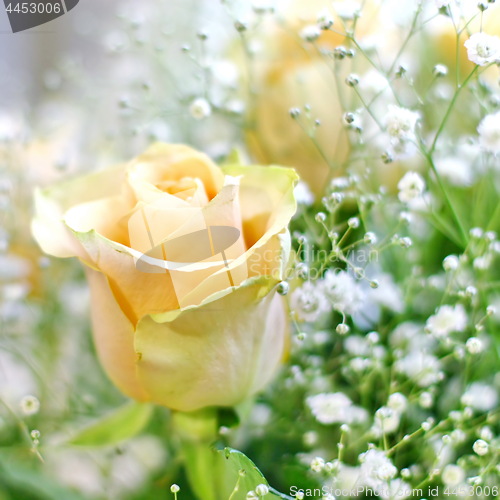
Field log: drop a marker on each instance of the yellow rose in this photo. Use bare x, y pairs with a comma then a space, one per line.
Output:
291, 72
182, 258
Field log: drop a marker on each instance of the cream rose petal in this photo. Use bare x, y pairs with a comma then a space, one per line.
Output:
265, 218
138, 293
113, 337
51, 204
214, 354
171, 162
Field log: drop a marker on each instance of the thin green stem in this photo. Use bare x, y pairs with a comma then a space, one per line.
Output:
442, 187
450, 109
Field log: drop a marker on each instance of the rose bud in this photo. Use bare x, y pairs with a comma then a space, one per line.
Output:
183, 259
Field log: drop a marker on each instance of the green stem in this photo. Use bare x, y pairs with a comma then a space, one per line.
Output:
442, 187
450, 108
197, 431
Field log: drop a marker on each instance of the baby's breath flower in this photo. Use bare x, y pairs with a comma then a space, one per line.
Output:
352, 80
483, 49
325, 20
425, 399
303, 194
455, 170
405, 242
310, 438
411, 186
342, 329
397, 402
310, 33
480, 396
343, 291
474, 345
386, 421
370, 238
353, 222
452, 475
400, 123
347, 9
447, 319
458, 436
317, 464
489, 133
29, 405
283, 288
480, 447
486, 433
450, 263
491, 310
440, 70
320, 217
482, 5
376, 467
262, 490
262, 6
426, 426
423, 368
308, 302
330, 408
200, 108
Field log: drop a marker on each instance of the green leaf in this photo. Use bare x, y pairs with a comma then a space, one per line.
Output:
246, 475
120, 425
26, 482
234, 157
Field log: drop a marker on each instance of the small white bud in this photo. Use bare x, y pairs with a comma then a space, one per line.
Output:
450, 263
320, 217
440, 70
342, 329
262, 490
353, 222
370, 238
480, 447
310, 33
29, 405
200, 108
474, 345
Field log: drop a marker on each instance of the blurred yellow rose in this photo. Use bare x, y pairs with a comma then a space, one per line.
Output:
183, 258
290, 72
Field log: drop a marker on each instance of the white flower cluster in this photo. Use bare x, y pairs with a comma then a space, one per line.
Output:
446, 320
378, 473
400, 125
336, 407
411, 186
489, 133
338, 290
483, 49
387, 418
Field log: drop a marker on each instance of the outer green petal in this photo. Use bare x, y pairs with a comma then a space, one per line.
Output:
216, 354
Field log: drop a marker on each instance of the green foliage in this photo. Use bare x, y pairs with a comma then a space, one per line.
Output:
116, 427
